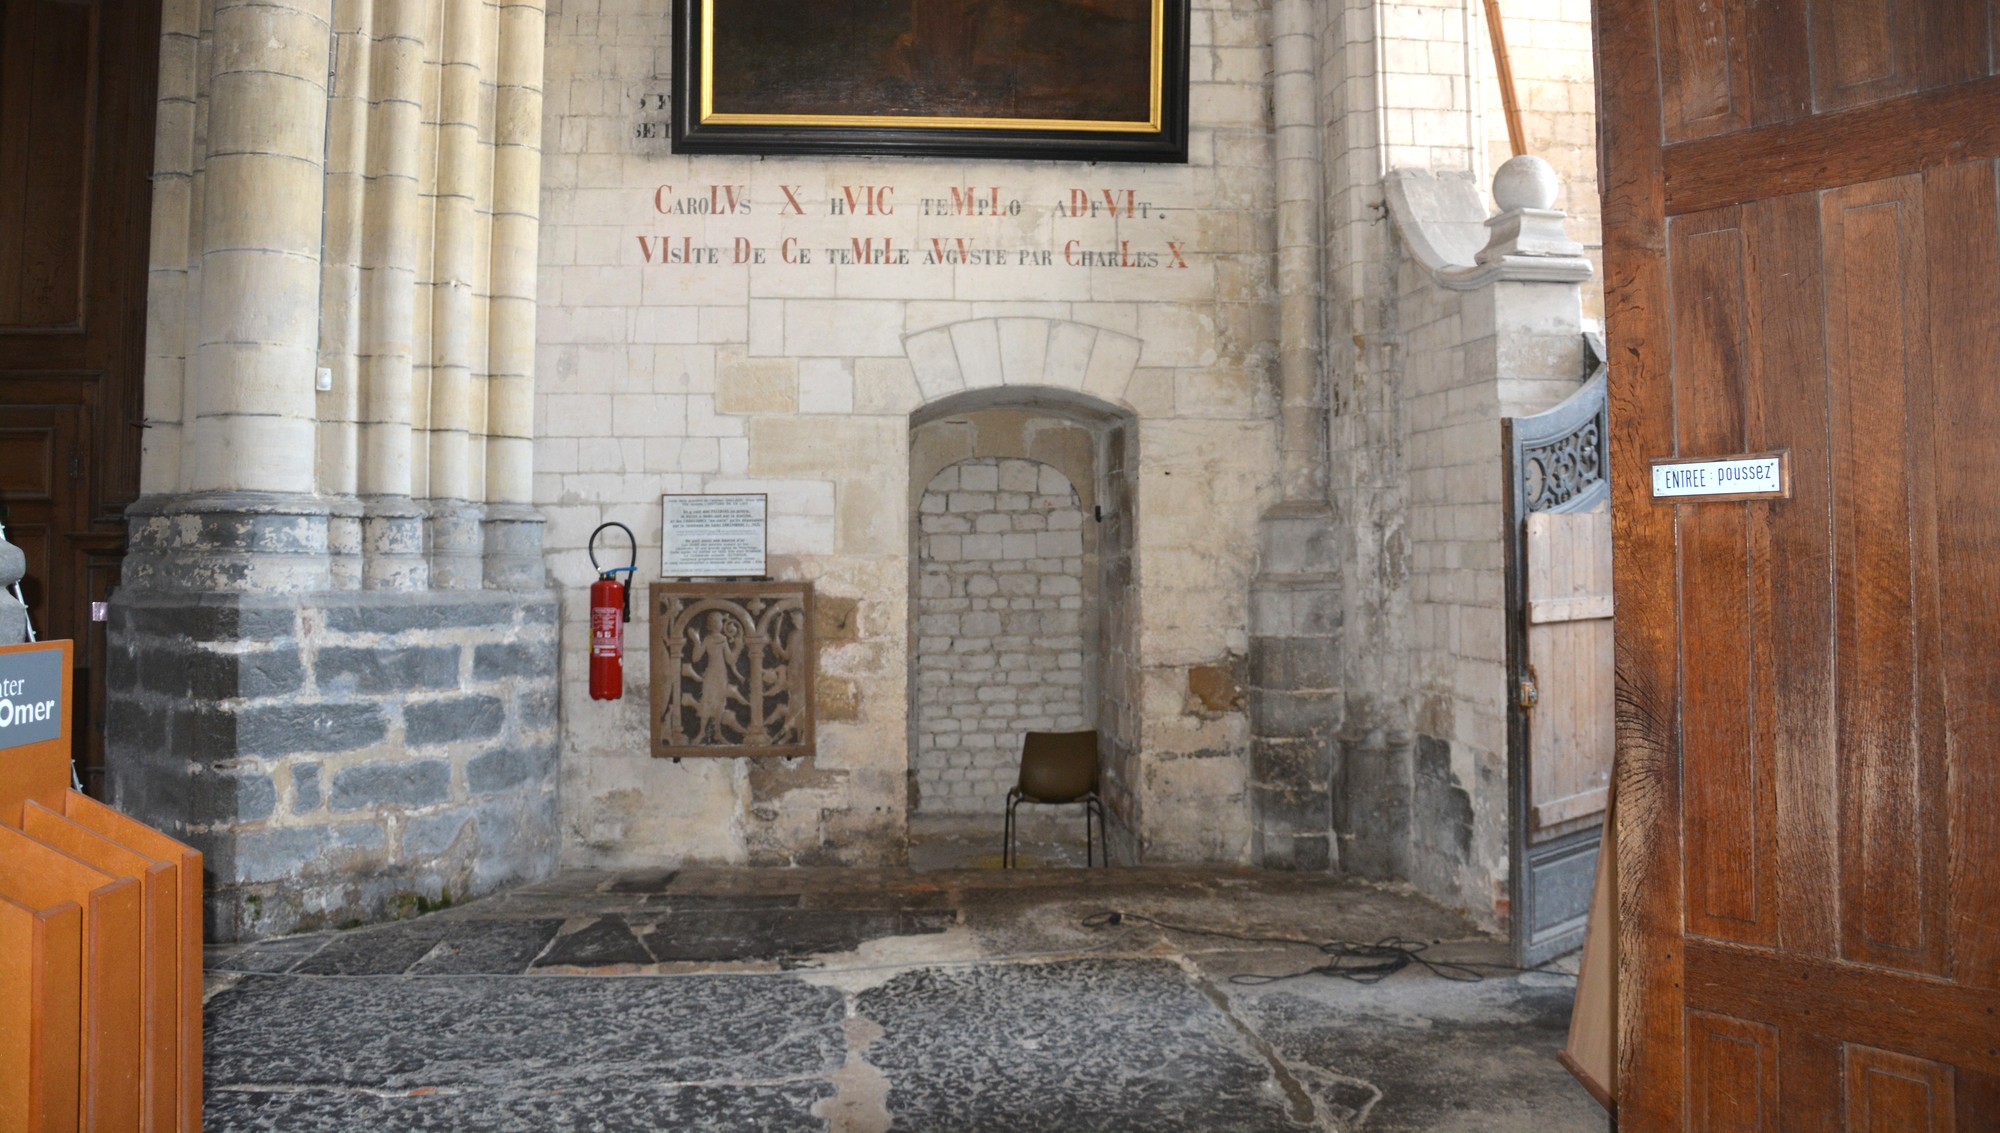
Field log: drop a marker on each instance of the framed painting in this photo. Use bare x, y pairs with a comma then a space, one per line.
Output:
1061, 80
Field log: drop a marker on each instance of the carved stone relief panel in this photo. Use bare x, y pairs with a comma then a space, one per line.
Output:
732, 669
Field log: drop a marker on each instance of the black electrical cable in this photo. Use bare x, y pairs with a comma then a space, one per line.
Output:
1349, 960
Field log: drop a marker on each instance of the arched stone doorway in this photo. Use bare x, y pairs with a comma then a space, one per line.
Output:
1021, 504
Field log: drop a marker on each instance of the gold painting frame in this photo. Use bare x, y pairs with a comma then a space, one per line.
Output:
762, 77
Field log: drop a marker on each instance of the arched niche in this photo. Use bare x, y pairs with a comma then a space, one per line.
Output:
1090, 444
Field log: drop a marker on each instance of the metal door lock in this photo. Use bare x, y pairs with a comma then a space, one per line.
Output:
1529, 693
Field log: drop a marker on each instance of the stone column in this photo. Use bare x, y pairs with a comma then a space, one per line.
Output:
1294, 597
1491, 313
260, 265
338, 743
252, 519
1300, 193
341, 311
454, 539
513, 527
393, 525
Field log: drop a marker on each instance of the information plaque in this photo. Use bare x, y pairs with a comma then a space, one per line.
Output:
720, 536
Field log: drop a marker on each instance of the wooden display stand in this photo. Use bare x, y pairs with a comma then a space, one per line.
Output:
100, 937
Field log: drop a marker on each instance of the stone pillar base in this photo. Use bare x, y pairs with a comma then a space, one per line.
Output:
392, 544
1294, 703
228, 542
456, 542
338, 756
513, 537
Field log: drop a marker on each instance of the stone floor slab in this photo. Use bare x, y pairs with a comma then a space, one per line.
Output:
634, 1107
1086, 1046
888, 1001
605, 942
514, 1032
488, 947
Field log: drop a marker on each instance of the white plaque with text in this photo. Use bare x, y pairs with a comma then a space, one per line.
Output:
719, 536
1759, 476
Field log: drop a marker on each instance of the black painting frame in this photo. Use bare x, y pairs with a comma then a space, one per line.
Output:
1164, 141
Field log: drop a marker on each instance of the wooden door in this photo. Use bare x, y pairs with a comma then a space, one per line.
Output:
1569, 654
1559, 657
1802, 237
77, 94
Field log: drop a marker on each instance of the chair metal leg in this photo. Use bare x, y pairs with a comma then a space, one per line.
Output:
1088, 861
1007, 853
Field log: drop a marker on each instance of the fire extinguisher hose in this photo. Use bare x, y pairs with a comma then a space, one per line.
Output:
629, 570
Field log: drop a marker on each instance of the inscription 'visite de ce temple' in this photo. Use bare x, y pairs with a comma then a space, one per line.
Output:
884, 202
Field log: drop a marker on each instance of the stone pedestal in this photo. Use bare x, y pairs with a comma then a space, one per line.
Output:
337, 755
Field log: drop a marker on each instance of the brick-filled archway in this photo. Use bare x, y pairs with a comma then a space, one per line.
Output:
1002, 626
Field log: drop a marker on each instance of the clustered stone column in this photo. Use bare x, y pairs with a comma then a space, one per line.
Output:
1294, 597
513, 528
332, 653
392, 524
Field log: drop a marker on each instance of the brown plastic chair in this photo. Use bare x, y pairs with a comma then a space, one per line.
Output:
1057, 768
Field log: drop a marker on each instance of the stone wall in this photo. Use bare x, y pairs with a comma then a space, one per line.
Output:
801, 375
1480, 342
341, 757
1001, 619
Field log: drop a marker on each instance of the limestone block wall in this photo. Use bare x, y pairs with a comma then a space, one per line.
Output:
796, 370
1404, 85
1001, 625
346, 757
1505, 348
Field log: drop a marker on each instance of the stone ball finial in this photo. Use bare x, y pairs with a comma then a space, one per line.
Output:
1525, 182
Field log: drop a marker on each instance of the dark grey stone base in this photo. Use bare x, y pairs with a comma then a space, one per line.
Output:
500, 1053
1294, 696
338, 757
1374, 813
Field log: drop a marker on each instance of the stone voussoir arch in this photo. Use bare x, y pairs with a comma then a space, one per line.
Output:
1027, 354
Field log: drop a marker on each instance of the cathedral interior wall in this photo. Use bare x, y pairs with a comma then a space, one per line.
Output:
823, 303
418, 346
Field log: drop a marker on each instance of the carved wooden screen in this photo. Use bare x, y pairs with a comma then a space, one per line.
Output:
1559, 661
733, 669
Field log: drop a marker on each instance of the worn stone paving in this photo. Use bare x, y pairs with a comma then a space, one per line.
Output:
855, 1001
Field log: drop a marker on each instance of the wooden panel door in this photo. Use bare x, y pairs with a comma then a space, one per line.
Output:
77, 94
1570, 655
1803, 253
1559, 663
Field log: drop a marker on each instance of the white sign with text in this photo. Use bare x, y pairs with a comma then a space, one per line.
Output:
1736, 477
721, 536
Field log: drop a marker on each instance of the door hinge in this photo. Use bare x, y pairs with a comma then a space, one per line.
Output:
1528, 693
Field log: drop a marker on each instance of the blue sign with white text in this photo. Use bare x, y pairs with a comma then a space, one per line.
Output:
30, 697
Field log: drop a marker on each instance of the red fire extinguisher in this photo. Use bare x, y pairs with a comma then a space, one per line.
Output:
610, 609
